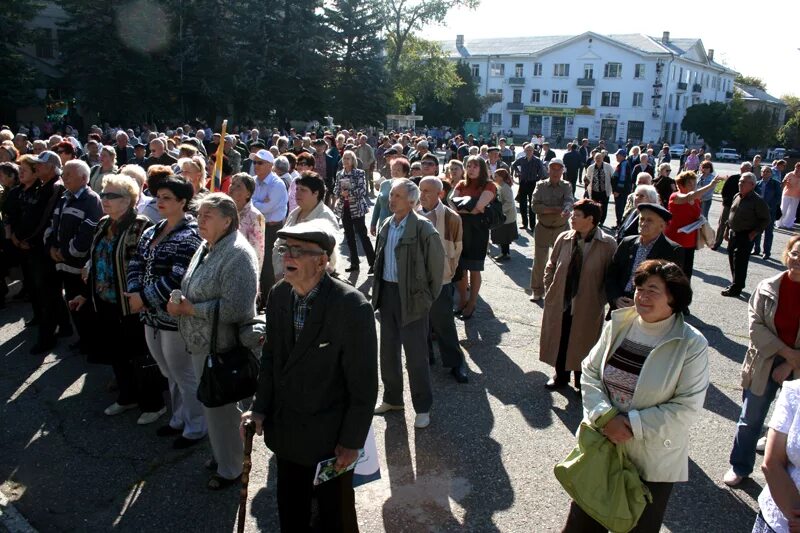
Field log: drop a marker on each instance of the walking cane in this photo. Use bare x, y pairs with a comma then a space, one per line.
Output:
249, 431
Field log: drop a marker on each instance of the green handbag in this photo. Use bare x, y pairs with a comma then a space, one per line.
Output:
602, 480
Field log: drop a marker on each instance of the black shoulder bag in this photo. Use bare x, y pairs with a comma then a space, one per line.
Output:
227, 377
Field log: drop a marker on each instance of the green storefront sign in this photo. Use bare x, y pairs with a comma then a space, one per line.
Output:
558, 111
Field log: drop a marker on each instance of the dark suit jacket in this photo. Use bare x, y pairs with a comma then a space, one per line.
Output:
629, 226
771, 195
321, 390
620, 269
572, 161
586, 153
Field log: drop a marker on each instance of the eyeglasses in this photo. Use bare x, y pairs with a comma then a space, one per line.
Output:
259, 163
296, 252
111, 196
793, 255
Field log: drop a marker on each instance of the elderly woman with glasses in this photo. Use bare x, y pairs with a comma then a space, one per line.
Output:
115, 324
222, 279
350, 192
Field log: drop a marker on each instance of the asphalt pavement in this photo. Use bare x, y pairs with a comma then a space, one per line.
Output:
485, 463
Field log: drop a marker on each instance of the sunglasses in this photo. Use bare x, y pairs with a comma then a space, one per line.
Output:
296, 252
111, 196
259, 163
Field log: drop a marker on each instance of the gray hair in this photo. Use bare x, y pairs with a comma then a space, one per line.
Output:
110, 151
645, 175
645, 156
649, 191
433, 180
749, 176
282, 164
247, 180
411, 189
80, 167
136, 172
225, 205
746, 165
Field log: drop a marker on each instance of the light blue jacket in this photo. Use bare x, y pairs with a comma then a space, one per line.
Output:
669, 394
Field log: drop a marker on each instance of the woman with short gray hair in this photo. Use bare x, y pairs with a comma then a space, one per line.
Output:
108, 165
252, 223
223, 275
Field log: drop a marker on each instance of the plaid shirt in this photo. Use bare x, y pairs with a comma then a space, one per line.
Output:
301, 308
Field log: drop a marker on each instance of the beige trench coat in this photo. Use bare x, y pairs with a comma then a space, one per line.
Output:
589, 304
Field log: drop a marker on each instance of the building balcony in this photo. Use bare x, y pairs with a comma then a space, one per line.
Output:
515, 106
682, 86
697, 88
476, 79
586, 82
516, 81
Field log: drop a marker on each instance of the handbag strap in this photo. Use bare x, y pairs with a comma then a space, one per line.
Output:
214, 326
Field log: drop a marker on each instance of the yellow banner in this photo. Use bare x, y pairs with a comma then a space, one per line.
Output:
217, 177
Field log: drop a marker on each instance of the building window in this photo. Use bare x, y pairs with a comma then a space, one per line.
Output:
559, 97
586, 98
476, 71
561, 70
537, 69
536, 96
515, 120
677, 103
638, 71
610, 99
517, 96
685, 102
519, 70
44, 43
635, 130
608, 129
495, 119
613, 70
497, 69
638, 99
680, 76
588, 71
673, 72
670, 102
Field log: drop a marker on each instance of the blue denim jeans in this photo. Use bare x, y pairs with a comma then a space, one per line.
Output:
751, 421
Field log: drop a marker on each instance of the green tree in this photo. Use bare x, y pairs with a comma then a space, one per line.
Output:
750, 129
750, 80
789, 133
464, 104
356, 69
423, 70
18, 81
710, 121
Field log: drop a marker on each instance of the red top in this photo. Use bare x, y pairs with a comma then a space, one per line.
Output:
474, 190
682, 215
787, 317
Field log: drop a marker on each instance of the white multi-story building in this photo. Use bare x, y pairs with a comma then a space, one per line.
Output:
611, 87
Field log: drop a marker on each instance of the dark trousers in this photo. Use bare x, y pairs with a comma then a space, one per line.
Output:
267, 270
335, 500
619, 205
352, 226
688, 262
524, 197
650, 521
739, 248
27, 259
74, 286
573, 182
53, 310
601, 198
412, 339
722, 225
119, 340
443, 324
768, 235
562, 375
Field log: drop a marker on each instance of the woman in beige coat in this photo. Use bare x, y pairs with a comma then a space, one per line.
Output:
575, 292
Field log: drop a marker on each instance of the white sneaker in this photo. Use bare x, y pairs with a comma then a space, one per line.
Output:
422, 420
115, 408
150, 416
761, 445
731, 478
386, 407
536, 297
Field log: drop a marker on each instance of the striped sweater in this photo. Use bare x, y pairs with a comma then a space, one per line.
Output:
72, 228
156, 272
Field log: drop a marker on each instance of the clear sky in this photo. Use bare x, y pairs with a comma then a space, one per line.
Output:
767, 48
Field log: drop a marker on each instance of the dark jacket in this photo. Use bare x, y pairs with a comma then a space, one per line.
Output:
629, 226
622, 179
620, 269
41, 213
586, 154
129, 230
572, 162
730, 189
770, 191
319, 391
124, 155
170, 260
639, 168
72, 228
530, 171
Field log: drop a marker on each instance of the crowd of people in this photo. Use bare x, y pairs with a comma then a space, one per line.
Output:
153, 252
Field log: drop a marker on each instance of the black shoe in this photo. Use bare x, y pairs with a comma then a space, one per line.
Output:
31, 323
42, 347
555, 383
64, 333
731, 292
181, 443
371, 271
766, 257
352, 268
168, 431
460, 373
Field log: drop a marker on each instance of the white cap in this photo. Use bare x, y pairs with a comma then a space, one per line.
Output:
557, 161
263, 155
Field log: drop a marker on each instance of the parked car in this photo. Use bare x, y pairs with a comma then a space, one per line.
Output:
728, 154
776, 153
676, 150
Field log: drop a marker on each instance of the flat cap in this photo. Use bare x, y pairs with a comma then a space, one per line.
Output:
319, 232
658, 209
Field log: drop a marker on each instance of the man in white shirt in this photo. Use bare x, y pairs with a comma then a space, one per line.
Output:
271, 198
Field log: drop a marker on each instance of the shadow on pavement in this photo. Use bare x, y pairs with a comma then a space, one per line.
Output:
711, 279
264, 506
718, 402
718, 340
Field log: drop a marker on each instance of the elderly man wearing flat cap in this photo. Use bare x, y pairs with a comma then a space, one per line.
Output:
651, 243
272, 199
495, 162
552, 202
318, 381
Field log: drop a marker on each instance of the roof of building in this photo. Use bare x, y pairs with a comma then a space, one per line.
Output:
509, 46
750, 92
